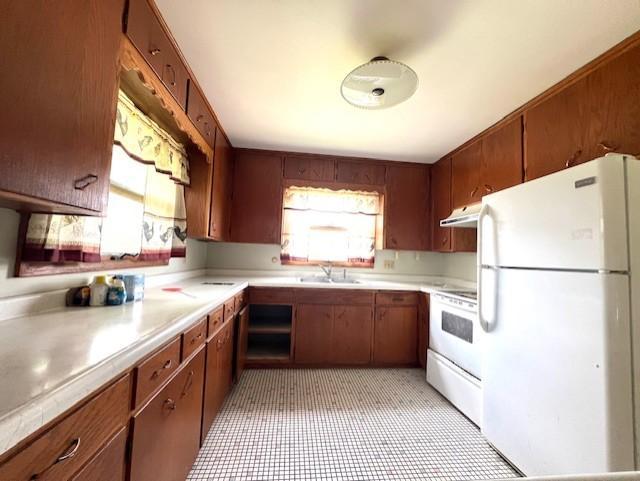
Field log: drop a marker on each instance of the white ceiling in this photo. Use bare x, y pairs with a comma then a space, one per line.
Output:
272, 68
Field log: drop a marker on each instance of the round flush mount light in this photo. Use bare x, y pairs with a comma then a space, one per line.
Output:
379, 84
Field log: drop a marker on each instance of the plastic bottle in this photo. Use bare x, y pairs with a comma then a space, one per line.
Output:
117, 293
99, 288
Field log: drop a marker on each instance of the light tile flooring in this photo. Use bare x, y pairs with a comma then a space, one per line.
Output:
343, 424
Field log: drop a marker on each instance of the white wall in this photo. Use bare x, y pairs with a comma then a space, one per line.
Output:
265, 257
12, 286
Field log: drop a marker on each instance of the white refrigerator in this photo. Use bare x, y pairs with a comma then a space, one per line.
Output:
560, 308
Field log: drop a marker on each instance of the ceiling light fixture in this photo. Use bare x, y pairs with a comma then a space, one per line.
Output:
379, 84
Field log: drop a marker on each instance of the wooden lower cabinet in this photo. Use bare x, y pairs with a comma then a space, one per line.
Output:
242, 342
82, 432
423, 329
217, 383
109, 464
165, 438
352, 333
395, 335
313, 333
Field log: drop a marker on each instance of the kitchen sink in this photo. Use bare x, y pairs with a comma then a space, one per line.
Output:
326, 280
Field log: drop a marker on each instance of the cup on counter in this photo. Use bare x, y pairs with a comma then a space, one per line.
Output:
134, 285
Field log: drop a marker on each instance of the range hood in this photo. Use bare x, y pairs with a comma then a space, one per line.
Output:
463, 217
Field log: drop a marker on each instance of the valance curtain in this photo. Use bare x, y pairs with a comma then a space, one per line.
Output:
146, 214
321, 225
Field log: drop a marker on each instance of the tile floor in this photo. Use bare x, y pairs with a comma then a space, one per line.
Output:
343, 424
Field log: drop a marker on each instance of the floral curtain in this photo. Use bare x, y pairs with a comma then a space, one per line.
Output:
146, 216
321, 225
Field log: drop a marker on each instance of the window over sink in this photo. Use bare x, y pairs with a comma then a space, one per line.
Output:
321, 225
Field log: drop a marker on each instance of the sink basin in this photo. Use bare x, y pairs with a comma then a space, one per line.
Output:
345, 281
326, 280
323, 280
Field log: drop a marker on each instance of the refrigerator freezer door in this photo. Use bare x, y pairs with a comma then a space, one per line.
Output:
557, 371
573, 219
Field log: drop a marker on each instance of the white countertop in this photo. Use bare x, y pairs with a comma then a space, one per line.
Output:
49, 361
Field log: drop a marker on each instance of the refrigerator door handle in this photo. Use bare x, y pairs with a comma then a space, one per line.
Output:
481, 216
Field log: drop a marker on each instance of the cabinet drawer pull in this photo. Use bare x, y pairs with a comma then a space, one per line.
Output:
488, 188
173, 75
444, 240
194, 339
573, 158
84, 182
301, 170
606, 147
170, 404
199, 118
154, 51
473, 192
69, 453
156, 373
397, 299
167, 364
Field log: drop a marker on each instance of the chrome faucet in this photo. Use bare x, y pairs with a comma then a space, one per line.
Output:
327, 269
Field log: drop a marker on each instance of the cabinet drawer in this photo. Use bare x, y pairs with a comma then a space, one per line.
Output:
241, 300
194, 338
229, 309
199, 113
153, 372
360, 173
109, 463
146, 33
334, 296
270, 295
397, 298
59, 453
215, 321
308, 168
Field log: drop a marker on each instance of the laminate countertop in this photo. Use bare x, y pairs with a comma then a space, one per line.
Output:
52, 360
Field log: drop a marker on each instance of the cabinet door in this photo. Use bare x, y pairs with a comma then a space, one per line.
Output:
352, 334
242, 341
599, 113
313, 333
257, 198
60, 80
406, 215
423, 329
307, 167
199, 113
221, 190
441, 204
360, 173
213, 390
465, 175
227, 363
109, 464
166, 432
395, 336
198, 195
502, 158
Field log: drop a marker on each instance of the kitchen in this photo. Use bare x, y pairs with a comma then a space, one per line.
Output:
400, 246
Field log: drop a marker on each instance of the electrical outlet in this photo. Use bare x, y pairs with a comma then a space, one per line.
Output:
389, 264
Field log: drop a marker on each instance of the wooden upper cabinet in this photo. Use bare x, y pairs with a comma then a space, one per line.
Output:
257, 197
406, 213
303, 167
465, 175
59, 86
147, 34
446, 239
441, 204
599, 113
220, 218
199, 113
367, 173
501, 164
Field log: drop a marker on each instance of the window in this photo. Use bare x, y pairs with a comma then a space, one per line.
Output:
323, 225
